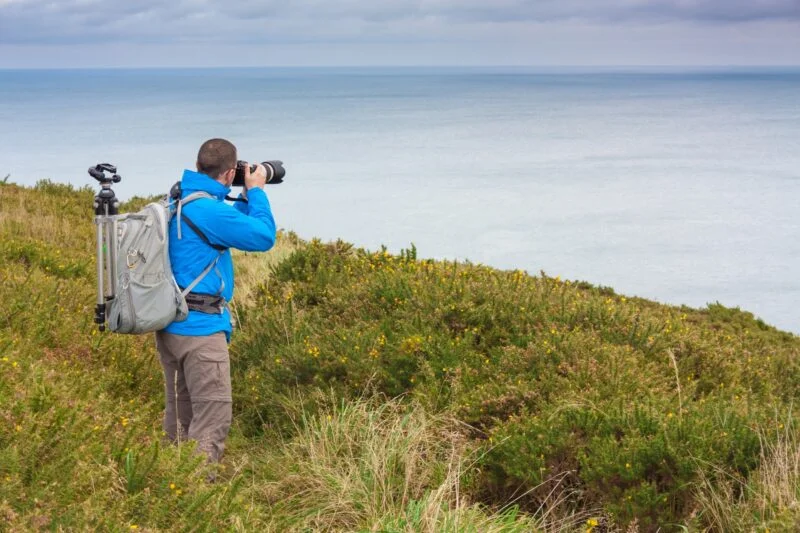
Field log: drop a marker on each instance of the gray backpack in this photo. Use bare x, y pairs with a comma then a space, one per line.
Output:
146, 296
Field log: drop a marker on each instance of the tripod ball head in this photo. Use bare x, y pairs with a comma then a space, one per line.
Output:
105, 203
100, 171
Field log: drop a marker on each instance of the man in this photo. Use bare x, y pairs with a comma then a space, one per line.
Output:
194, 353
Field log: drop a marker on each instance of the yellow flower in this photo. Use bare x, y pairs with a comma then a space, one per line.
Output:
123, 421
134, 526
172, 486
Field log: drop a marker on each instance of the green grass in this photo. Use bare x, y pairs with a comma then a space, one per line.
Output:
383, 392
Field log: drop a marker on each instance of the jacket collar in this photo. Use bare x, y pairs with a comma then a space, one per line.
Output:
192, 181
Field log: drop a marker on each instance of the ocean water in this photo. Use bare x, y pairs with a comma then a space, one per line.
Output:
680, 186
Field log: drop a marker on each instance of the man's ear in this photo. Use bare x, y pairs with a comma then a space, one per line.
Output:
231, 174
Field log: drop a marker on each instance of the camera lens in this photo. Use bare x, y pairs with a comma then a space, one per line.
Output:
275, 171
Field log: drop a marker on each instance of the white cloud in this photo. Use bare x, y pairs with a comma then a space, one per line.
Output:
521, 28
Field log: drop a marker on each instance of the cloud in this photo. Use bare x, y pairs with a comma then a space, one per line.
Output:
619, 10
232, 21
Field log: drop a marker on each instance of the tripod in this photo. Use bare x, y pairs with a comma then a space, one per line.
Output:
106, 208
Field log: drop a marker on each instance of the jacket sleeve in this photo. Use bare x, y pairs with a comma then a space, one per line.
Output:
252, 230
241, 206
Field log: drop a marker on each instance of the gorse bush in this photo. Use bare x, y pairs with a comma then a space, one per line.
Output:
381, 392
626, 398
80, 438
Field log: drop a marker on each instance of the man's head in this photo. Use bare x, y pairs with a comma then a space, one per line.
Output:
217, 158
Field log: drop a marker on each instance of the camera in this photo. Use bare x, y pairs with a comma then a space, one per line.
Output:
275, 172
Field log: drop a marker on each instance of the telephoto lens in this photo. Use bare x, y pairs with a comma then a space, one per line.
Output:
275, 172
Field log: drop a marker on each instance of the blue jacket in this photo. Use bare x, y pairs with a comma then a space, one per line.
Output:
245, 226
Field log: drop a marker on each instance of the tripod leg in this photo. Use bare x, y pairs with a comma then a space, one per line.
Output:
100, 309
111, 241
111, 256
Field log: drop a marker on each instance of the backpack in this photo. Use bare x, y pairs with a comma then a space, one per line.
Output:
146, 296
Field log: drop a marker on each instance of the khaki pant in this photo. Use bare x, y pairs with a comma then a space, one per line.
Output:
198, 390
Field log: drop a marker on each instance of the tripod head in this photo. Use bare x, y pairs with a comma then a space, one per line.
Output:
105, 203
99, 171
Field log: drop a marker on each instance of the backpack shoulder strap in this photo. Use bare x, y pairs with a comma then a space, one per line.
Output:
174, 198
203, 274
183, 201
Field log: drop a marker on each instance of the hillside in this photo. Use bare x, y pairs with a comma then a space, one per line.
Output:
384, 392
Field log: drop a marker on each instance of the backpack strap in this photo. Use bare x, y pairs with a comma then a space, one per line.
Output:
175, 197
203, 274
191, 198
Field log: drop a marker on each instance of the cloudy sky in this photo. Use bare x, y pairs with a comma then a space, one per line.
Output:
115, 33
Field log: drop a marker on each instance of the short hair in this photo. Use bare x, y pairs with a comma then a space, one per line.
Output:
215, 157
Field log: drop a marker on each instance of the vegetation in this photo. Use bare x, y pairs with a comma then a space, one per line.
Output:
383, 392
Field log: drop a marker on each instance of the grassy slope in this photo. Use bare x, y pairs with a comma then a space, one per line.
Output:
570, 401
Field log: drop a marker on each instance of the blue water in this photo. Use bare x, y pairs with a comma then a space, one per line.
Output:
679, 186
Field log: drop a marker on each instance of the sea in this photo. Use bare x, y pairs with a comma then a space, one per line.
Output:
676, 185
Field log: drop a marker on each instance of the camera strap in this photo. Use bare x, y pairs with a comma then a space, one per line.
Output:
200, 233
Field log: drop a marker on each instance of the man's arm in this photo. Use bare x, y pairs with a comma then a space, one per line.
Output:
252, 232
250, 225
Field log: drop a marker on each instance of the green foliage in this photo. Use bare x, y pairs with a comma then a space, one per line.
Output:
498, 400
630, 400
80, 412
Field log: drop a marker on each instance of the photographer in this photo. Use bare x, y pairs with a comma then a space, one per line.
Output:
194, 353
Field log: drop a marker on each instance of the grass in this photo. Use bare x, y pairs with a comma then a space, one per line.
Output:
383, 392
387, 464
769, 499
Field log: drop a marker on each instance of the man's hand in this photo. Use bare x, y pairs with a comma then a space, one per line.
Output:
255, 179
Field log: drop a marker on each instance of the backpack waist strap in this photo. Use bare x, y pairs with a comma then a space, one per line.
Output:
206, 303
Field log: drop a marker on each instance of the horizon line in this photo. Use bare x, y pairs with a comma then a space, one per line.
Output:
411, 66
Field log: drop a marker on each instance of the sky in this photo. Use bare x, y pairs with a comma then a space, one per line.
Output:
200, 33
